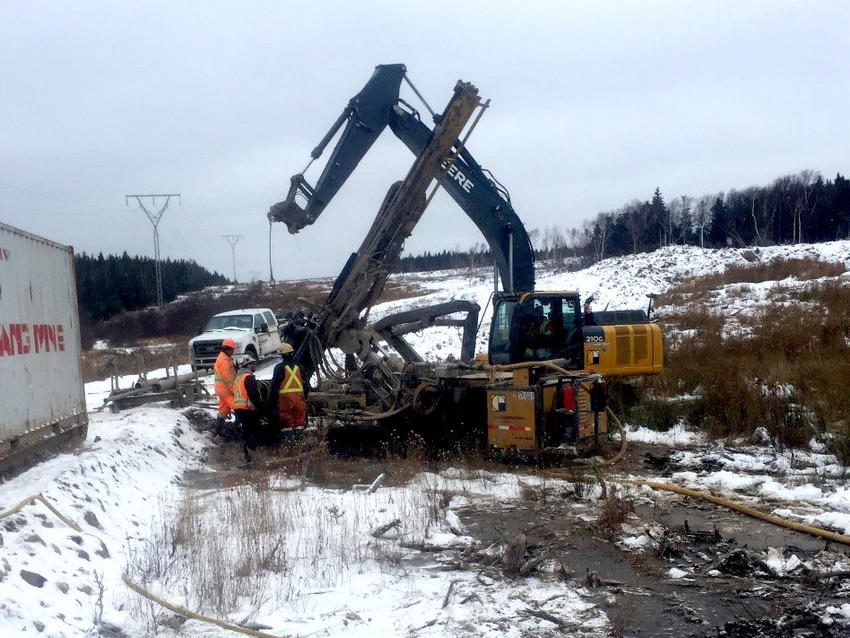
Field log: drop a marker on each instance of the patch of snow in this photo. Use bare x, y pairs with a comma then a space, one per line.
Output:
675, 572
778, 564
679, 434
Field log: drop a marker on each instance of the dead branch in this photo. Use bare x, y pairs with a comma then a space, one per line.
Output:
449, 593
383, 529
558, 622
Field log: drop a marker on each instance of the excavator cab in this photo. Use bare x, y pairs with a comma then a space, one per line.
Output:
537, 326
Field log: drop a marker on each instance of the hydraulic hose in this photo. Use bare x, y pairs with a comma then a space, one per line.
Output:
421, 406
745, 509
365, 415
177, 609
39, 497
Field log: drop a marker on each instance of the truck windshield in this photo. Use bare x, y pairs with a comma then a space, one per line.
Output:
230, 321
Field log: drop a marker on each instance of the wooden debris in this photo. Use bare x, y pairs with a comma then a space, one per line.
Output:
383, 529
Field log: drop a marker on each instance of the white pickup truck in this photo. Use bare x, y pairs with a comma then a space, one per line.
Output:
255, 331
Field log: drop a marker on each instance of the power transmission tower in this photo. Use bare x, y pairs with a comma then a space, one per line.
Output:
233, 240
154, 217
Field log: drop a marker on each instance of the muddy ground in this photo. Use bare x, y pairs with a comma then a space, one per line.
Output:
726, 589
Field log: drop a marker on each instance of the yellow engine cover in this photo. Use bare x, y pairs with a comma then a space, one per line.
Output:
515, 422
622, 351
511, 419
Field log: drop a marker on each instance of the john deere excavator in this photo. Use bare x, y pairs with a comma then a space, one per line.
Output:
540, 387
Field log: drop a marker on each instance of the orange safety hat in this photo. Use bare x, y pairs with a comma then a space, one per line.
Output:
228, 343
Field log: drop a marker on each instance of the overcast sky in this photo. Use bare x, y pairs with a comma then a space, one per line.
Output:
592, 104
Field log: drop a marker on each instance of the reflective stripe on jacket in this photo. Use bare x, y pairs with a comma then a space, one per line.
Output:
292, 381
240, 393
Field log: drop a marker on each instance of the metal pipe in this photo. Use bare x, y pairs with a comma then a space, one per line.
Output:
158, 385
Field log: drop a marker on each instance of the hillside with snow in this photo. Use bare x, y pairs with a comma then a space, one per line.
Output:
285, 553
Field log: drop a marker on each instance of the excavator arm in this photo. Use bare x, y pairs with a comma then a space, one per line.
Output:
481, 197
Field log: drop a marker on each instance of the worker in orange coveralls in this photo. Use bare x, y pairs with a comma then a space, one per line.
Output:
225, 375
288, 390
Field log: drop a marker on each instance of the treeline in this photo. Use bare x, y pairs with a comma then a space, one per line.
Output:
109, 285
793, 209
803, 207
478, 255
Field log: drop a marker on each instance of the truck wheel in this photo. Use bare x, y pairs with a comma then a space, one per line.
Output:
252, 352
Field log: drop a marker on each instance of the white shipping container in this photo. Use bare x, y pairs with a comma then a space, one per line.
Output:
41, 381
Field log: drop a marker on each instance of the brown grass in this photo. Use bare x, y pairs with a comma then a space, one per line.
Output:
614, 512
741, 381
777, 269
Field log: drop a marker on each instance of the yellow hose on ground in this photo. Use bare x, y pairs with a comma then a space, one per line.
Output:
177, 609
39, 497
717, 500
745, 509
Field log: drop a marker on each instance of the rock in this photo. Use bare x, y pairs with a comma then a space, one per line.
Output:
750, 255
39, 626
108, 630
739, 562
86, 590
761, 437
32, 578
103, 552
35, 538
63, 587
83, 554
77, 539
91, 519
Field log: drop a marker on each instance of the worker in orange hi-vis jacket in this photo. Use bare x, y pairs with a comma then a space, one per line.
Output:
225, 375
288, 390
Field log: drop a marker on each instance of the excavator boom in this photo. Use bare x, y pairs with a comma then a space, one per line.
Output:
479, 195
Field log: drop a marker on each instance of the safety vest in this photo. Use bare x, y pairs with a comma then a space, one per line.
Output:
240, 394
292, 381
225, 373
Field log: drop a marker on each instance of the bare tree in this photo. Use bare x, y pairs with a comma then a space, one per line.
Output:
702, 215
806, 201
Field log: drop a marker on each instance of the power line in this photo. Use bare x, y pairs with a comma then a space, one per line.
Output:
58, 199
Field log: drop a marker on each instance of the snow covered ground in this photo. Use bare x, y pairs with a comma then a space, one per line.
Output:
310, 563
324, 573
616, 284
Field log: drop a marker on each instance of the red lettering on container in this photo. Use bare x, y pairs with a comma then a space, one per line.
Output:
39, 332
4, 254
15, 332
15, 338
5, 343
